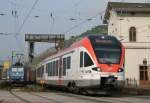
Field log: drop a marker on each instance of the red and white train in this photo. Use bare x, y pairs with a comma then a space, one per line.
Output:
95, 62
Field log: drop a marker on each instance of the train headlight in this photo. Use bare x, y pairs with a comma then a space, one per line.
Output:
99, 69
96, 69
120, 70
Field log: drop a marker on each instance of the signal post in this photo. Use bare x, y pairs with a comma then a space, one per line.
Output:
58, 39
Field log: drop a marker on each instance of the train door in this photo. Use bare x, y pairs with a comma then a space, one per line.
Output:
60, 71
143, 75
85, 63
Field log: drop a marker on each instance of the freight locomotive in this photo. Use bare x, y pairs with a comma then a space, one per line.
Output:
19, 74
93, 63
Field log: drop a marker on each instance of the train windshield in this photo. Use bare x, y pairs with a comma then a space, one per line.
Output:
108, 55
107, 49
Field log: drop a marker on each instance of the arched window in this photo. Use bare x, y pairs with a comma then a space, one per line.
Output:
132, 34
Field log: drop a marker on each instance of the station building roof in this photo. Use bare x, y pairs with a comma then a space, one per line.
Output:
124, 7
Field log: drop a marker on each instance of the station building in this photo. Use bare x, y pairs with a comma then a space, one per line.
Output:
130, 23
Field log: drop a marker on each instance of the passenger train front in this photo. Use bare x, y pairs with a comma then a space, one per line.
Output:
95, 62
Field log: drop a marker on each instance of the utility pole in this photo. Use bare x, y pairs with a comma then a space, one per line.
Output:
31, 51
12, 57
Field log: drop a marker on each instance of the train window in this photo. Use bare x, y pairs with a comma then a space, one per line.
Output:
54, 68
64, 66
50, 69
20, 69
87, 60
81, 59
60, 67
37, 72
57, 68
68, 62
14, 69
42, 71
46, 68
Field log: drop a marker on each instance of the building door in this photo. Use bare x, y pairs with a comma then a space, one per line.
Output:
143, 76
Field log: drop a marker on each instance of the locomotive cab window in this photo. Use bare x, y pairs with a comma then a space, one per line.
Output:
87, 60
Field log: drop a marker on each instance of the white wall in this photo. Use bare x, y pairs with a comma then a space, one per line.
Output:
136, 51
141, 24
133, 59
113, 24
121, 25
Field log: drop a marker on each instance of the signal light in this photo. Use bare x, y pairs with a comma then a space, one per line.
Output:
6, 65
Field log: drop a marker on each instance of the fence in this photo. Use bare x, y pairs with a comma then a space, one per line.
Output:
133, 83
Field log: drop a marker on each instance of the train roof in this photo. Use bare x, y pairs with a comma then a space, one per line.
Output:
80, 43
102, 36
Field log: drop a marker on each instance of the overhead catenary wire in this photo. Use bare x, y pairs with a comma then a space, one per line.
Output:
27, 16
15, 16
81, 23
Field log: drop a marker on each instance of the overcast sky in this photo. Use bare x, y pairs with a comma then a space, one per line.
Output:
46, 16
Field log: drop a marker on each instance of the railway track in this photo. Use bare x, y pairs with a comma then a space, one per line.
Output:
46, 98
78, 97
101, 98
19, 97
49, 100
62, 97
